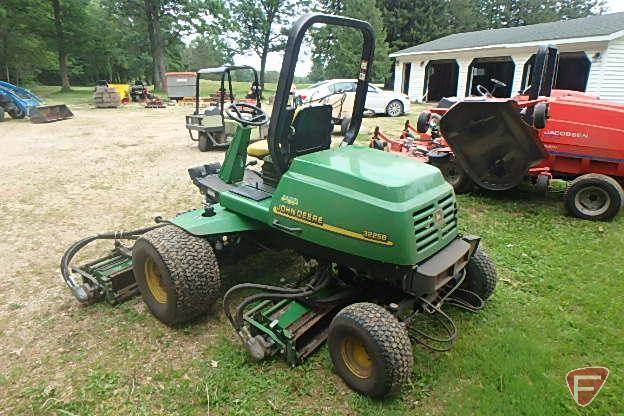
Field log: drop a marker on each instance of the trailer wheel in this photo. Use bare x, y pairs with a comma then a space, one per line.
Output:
203, 142
455, 175
370, 349
177, 274
481, 276
594, 197
422, 124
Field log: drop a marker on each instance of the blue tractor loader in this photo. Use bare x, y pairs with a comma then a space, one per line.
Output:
19, 103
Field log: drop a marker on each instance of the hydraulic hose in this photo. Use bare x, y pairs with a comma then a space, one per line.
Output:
269, 292
77, 288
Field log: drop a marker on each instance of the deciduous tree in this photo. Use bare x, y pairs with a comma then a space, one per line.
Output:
258, 25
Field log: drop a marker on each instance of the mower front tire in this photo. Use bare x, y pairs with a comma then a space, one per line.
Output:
594, 197
481, 276
203, 142
370, 349
177, 274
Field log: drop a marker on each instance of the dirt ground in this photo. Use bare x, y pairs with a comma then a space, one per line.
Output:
103, 170
106, 169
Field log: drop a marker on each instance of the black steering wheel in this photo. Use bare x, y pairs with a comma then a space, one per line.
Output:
258, 116
484, 92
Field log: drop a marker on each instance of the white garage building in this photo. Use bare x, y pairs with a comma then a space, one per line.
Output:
591, 59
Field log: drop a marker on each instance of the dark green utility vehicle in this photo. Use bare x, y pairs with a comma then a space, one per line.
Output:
379, 233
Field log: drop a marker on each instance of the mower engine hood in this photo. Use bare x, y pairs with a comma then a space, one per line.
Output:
492, 142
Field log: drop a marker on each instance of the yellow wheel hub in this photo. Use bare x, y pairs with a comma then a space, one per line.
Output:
356, 358
154, 281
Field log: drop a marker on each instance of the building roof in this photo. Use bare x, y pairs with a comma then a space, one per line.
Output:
586, 27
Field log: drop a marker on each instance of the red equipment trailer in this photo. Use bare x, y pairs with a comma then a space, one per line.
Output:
582, 135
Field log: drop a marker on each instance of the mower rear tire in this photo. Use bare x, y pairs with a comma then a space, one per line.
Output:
370, 349
455, 175
177, 274
594, 197
203, 142
481, 276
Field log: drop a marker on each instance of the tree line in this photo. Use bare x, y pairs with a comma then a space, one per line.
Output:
65, 42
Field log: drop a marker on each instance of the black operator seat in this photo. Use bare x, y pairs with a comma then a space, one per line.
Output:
313, 128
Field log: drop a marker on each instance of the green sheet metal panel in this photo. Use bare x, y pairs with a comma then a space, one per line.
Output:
223, 222
368, 203
257, 210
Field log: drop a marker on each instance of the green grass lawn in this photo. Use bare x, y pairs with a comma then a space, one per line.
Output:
558, 306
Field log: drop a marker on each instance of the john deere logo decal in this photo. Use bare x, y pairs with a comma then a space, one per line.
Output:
317, 221
438, 218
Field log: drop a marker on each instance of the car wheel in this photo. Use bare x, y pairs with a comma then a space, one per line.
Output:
394, 108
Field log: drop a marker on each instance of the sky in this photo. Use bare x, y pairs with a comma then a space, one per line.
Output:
274, 61
615, 6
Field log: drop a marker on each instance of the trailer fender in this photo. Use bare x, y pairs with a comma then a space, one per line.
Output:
217, 221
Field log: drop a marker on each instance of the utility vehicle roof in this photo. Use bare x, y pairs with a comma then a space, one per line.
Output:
223, 68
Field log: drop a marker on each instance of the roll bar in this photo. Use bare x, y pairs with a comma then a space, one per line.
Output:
280, 121
225, 70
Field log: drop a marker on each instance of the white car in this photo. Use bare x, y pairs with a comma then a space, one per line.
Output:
379, 101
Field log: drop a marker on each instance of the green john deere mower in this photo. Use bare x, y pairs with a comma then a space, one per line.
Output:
379, 233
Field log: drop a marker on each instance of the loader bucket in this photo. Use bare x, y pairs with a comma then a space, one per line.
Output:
492, 142
49, 113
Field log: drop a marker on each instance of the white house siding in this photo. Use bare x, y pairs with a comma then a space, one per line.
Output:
417, 75
594, 81
462, 76
612, 86
519, 60
606, 76
398, 75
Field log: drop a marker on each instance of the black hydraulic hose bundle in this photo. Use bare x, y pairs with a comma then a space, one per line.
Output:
457, 297
271, 292
78, 288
